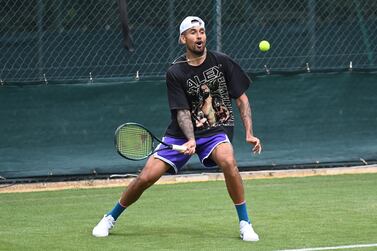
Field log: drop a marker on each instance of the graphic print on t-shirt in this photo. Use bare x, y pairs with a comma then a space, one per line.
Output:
210, 102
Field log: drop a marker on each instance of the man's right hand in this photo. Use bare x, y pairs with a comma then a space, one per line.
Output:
191, 147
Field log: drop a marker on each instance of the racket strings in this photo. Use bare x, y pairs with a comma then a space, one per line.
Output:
134, 142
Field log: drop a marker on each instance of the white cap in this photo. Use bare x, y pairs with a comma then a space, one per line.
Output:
188, 23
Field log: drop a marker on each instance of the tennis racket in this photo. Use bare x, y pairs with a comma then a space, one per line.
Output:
135, 142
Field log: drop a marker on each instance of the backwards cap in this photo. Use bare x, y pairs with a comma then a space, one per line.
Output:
188, 23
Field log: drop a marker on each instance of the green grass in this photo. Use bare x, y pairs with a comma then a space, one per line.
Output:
287, 213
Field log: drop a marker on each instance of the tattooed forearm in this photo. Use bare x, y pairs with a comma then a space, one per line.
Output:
245, 112
185, 123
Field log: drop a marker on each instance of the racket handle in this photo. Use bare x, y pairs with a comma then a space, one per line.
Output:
179, 148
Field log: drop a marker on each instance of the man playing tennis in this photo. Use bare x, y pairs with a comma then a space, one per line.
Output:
225, 80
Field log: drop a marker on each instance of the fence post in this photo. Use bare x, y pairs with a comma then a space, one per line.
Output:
364, 31
218, 15
311, 27
40, 36
172, 29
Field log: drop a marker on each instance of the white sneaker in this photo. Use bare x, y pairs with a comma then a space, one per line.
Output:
247, 232
103, 227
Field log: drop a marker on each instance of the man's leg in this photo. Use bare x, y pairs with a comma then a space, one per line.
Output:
223, 156
153, 170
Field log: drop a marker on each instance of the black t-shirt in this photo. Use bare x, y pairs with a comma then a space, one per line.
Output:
206, 90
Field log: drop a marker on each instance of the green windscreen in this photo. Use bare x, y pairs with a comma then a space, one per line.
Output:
309, 119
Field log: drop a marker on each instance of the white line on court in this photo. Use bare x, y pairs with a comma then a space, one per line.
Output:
333, 248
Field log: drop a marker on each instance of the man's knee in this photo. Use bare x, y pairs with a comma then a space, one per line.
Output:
227, 163
151, 172
145, 180
230, 168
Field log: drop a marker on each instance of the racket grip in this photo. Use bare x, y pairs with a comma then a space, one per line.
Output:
179, 148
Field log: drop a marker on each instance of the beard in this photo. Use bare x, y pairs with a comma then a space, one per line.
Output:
198, 51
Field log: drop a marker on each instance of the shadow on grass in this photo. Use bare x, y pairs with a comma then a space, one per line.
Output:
176, 231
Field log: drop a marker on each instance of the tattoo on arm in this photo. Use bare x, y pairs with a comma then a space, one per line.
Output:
245, 112
185, 123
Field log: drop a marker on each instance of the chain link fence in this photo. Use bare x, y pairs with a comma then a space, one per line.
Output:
42, 40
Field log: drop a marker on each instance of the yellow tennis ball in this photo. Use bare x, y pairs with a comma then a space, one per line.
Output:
264, 45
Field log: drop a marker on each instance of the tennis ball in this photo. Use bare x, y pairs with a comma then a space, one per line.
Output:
264, 45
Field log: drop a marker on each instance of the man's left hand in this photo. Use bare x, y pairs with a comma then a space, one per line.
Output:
257, 149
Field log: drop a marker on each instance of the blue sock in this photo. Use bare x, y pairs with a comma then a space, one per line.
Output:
242, 212
117, 210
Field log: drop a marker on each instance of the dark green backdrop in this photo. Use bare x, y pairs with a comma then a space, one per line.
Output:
67, 129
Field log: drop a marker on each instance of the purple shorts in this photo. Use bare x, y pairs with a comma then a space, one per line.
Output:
204, 148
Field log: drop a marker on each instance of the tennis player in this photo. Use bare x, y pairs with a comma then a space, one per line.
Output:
194, 82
